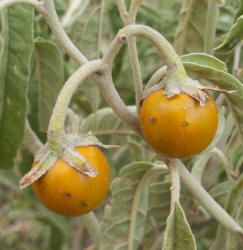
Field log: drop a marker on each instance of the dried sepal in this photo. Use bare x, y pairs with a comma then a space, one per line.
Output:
186, 85
77, 161
39, 169
42, 152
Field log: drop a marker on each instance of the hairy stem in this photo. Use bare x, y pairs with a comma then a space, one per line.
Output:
123, 10
132, 49
211, 21
227, 165
136, 200
172, 60
101, 17
175, 188
93, 227
101, 80
156, 77
236, 61
56, 125
61, 36
37, 5
206, 200
31, 141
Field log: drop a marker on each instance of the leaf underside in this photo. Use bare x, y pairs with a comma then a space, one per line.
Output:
178, 235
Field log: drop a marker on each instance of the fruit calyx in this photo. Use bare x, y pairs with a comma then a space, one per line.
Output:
65, 150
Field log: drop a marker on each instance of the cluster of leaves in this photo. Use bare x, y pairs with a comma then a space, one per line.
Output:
33, 70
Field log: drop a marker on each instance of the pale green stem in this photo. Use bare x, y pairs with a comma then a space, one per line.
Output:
101, 18
136, 200
74, 121
112, 97
210, 30
77, 233
227, 166
175, 188
236, 60
93, 227
194, 187
123, 11
75, 10
132, 48
156, 77
133, 10
31, 141
61, 36
37, 5
165, 49
56, 124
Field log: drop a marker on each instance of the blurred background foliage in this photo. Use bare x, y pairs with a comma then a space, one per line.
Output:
24, 222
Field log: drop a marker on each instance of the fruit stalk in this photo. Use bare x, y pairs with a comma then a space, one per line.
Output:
56, 125
206, 200
172, 60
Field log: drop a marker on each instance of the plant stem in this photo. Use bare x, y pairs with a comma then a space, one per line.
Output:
123, 10
227, 166
175, 188
211, 21
146, 177
101, 17
236, 61
112, 97
206, 200
56, 125
133, 10
132, 48
37, 5
156, 77
172, 60
61, 36
91, 223
31, 141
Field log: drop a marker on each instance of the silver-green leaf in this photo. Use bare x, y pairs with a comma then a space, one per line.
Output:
124, 226
225, 81
233, 38
178, 235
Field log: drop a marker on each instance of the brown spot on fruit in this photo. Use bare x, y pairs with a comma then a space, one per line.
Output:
84, 203
67, 196
152, 119
185, 123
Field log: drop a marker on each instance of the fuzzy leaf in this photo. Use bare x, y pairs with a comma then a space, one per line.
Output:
178, 235
226, 81
233, 38
158, 210
124, 219
104, 122
205, 60
50, 77
16, 50
191, 25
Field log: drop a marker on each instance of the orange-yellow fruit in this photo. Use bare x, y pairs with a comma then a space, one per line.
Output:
178, 127
67, 191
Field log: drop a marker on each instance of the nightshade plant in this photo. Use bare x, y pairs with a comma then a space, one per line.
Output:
54, 99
